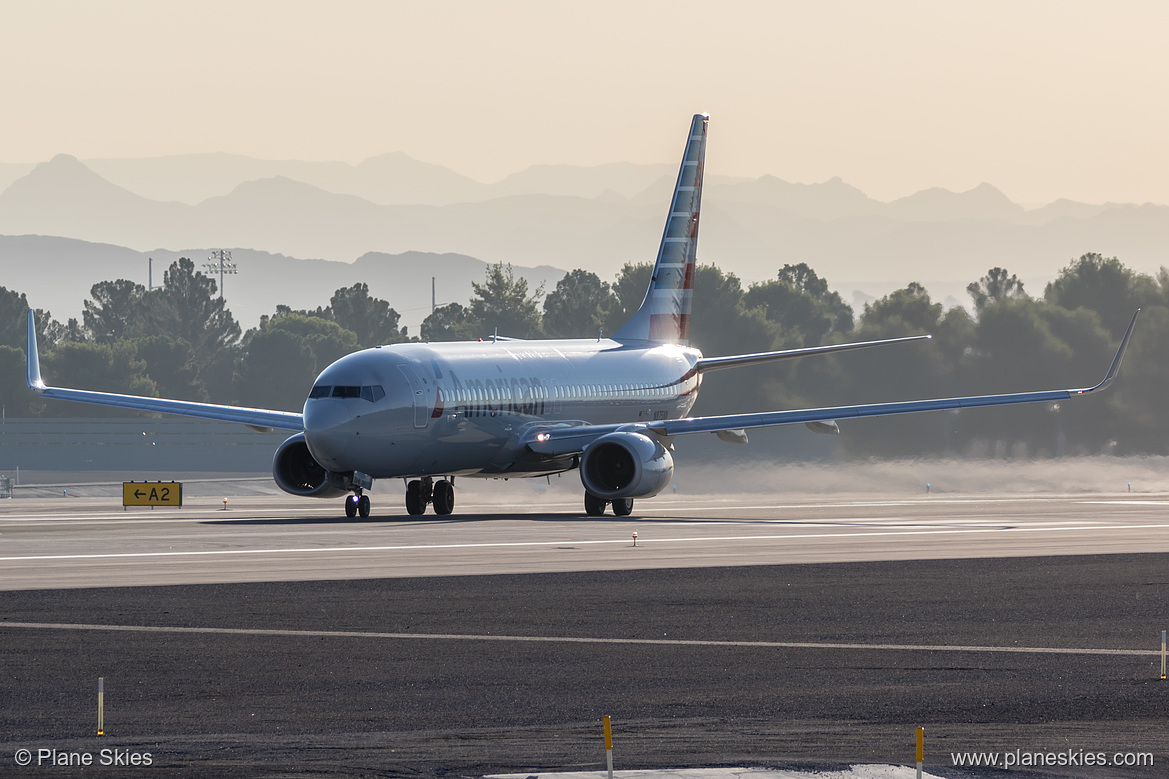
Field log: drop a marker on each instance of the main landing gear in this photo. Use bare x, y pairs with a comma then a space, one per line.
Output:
355, 504
440, 494
595, 507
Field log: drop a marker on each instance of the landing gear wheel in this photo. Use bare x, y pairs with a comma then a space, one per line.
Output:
351, 506
444, 497
363, 506
415, 502
622, 507
594, 506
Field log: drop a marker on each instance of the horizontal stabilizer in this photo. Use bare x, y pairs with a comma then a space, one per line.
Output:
734, 361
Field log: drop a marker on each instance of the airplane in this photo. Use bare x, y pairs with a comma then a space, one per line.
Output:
507, 408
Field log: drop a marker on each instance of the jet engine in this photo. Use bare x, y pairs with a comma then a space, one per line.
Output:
296, 472
626, 465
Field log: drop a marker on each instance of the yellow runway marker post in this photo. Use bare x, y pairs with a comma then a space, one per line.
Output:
101, 696
1162, 654
920, 745
609, 745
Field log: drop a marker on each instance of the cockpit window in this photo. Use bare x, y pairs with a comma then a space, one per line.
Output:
372, 393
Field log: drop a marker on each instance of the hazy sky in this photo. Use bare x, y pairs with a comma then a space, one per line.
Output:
1042, 99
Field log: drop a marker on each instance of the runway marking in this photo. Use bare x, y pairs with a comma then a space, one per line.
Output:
564, 542
663, 509
1126, 502
580, 639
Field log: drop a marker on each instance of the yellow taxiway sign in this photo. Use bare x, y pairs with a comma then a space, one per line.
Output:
152, 493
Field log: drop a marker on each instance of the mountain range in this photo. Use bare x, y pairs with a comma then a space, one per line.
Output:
370, 222
57, 274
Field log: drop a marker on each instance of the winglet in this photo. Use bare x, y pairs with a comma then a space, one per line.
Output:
1115, 367
34, 359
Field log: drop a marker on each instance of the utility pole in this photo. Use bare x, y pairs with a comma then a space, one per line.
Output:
432, 294
220, 262
149, 274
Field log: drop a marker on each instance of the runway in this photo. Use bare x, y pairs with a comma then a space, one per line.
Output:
54, 543
274, 639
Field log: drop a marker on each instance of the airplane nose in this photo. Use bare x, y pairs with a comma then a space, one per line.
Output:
327, 431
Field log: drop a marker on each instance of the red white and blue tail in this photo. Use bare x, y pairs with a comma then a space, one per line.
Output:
664, 316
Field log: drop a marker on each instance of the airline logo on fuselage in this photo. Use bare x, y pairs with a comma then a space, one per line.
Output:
509, 395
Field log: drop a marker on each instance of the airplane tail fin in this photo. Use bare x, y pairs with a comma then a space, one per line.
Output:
664, 315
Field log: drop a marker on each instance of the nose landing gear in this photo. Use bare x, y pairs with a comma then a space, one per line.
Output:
440, 494
357, 503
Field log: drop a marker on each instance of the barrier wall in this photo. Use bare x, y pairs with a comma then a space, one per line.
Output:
81, 444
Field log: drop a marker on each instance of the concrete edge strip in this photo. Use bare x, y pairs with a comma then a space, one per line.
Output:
687, 540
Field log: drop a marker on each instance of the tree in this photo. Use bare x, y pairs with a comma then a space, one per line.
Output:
114, 310
1034, 345
49, 331
17, 399
1136, 400
370, 319
181, 328
502, 303
579, 306
102, 367
168, 364
800, 302
995, 286
276, 370
907, 311
281, 358
14, 322
720, 325
720, 322
13, 318
1104, 285
629, 289
902, 372
452, 322
326, 340
186, 308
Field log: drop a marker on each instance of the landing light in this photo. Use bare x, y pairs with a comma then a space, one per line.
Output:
542, 437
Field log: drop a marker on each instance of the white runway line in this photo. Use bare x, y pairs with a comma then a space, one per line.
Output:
1126, 502
577, 640
622, 541
665, 511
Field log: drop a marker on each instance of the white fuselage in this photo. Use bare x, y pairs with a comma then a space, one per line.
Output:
460, 408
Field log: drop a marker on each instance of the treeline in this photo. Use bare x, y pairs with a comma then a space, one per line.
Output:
181, 341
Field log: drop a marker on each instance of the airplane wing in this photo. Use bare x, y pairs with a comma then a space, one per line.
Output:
257, 418
567, 440
734, 361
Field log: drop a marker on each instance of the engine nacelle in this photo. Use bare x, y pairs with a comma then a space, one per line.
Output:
626, 465
296, 472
